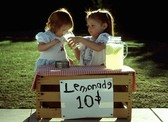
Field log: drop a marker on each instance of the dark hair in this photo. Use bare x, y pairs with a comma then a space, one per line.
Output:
58, 18
104, 16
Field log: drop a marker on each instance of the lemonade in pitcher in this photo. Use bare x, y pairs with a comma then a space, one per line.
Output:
115, 53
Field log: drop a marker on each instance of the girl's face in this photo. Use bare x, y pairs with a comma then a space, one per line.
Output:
95, 27
63, 29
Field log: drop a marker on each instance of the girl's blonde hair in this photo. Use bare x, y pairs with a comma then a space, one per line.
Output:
59, 18
104, 16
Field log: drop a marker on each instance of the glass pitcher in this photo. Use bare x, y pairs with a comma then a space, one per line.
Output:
116, 51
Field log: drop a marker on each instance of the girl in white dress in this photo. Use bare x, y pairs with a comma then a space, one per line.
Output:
50, 42
91, 49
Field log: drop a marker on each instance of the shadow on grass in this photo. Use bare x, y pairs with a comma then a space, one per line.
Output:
155, 52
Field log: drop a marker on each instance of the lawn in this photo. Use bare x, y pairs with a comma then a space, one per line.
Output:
17, 61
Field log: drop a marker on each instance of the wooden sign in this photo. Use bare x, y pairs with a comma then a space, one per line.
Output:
82, 98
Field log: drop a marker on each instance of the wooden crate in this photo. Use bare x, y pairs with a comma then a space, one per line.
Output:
48, 94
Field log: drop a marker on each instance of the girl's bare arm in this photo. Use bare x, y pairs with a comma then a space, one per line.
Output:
77, 53
45, 46
92, 45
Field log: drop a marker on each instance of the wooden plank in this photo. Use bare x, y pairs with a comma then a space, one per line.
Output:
49, 96
49, 113
122, 113
122, 97
56, 113
55, 96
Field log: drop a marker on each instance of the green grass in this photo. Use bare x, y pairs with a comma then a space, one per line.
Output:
17, 61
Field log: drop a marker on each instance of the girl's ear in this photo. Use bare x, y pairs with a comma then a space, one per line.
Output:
105, 25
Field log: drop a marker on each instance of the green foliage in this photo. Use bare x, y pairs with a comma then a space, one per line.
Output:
16, 75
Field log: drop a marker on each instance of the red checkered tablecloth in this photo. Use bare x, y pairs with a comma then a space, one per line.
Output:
50, 70
79, 70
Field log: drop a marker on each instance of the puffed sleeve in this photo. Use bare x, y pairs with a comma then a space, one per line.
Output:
42, 37
103, 38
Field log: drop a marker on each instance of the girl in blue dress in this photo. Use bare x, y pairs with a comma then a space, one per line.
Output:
92, 49
50, 42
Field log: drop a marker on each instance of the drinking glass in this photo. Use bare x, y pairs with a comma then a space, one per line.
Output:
67, 35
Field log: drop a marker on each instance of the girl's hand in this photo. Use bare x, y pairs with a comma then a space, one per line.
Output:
45, 46
73, 42
55, 41
70, 61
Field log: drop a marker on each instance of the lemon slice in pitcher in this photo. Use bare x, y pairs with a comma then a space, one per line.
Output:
117, 48
113, 49
109, 49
